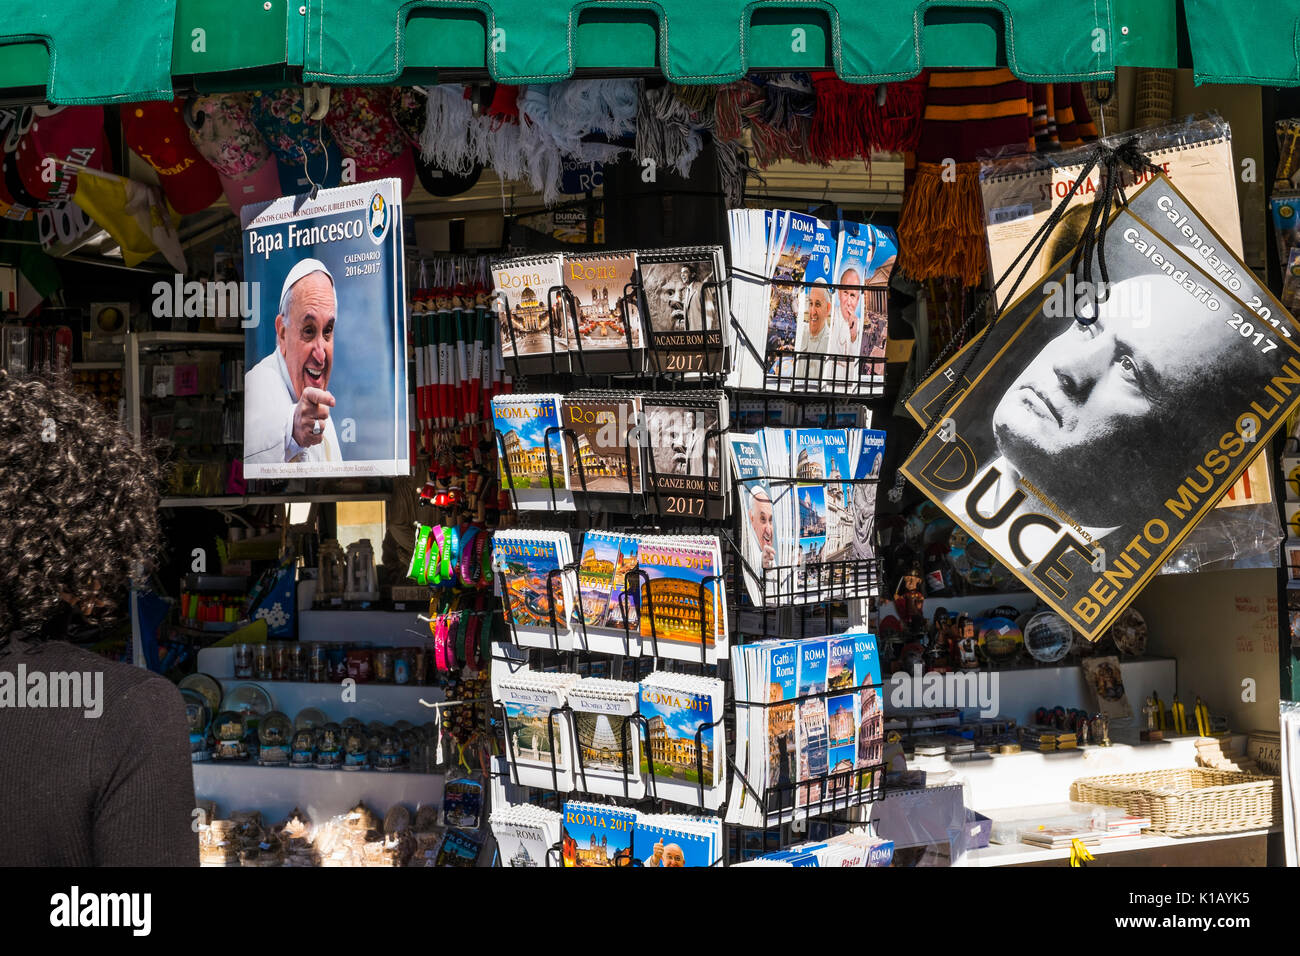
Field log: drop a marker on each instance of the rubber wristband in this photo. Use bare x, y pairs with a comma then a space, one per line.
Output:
425, 544
440, 644
471, 639
449, 647
469, 545
476, 631
435, 567
451, 554
419, 555
485, 579
461, 631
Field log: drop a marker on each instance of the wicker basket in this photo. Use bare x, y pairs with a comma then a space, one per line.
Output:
1189, 801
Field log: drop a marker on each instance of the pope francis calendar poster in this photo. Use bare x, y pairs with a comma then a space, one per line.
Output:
325, 390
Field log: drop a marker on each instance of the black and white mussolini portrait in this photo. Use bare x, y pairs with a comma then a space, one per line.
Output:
1084, 451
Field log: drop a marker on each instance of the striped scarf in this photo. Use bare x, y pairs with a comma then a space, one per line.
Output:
969, 113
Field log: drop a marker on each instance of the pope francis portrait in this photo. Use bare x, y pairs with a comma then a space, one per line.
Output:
287, 397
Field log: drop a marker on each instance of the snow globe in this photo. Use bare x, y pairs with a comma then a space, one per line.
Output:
356, 746
198, 715
274, 735
303, 748
329, 746
228, 730
390, 750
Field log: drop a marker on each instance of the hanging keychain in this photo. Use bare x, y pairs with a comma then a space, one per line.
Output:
462, 796
447, 742
441, 752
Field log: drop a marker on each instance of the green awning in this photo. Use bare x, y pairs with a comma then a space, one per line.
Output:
98, 52
72, 51
124, 50
235, 44
702, 41
1245, 41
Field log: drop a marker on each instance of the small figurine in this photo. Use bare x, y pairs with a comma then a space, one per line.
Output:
1101, 730
909, 599
945, 628
938, 655
965, 651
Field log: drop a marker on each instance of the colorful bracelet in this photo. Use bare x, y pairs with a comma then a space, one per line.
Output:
450, 554
477, 642
485, 547
461, 631
435, 565
471, 639
420, 555
440, 644
469, 545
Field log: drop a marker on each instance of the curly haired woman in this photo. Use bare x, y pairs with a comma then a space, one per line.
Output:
95, 767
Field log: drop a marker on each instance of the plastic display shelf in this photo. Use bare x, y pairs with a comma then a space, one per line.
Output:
276, 791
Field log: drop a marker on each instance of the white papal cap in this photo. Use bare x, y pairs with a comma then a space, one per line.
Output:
302, 270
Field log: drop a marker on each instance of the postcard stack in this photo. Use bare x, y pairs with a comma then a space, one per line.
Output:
683, 603
593, 313
526, 834
608, 745
809, 726
615, 451
609, 601
536, 591
602, 835
604, 451
534, 458
685, 434
559, 313
754, 414
808, 507
685, 298
662, 737
539, 734
847, 849
810, 299
687, 749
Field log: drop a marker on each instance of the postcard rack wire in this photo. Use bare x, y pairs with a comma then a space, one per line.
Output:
657, 498
788, 370
832, 378
640, 608
809, 582
561, 362
643, 730
832, 791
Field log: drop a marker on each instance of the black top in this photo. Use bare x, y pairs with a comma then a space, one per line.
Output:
107, 782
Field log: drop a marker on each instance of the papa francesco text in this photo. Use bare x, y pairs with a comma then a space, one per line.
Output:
265, 244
